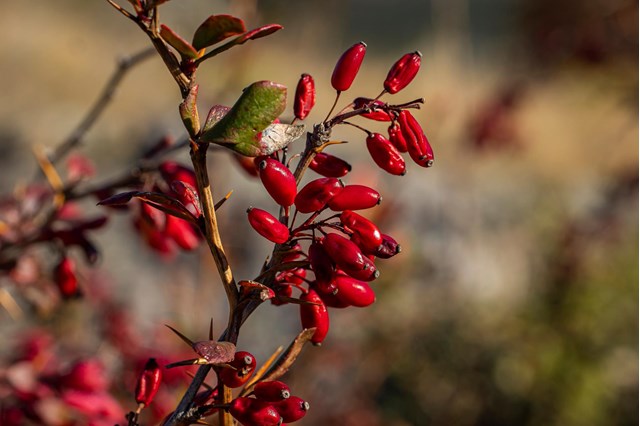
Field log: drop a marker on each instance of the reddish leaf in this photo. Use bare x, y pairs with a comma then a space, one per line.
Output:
217, 28
177, 42
157, 200
258, 33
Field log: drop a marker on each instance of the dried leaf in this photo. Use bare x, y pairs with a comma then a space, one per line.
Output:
181, 45
217, 28
215, 352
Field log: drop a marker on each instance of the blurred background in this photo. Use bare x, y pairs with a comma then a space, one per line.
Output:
515, 298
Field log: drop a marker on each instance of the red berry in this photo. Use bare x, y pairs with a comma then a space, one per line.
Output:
388, 248
182, 232
367, 273
305, 97
315, 195
322, 267
343, 252
314, 315
271, 391
376, 112
268, 226
292, 409
354, 292
281, 290
244, 364
402, 72
329, 165
397, 138
354, 197
253, 412
278, 180
188, 196
332, 301
385, 155
148, 382
418, 146
65, 278
368, 234
347, 67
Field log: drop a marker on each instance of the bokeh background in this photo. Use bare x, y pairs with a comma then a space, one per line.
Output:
515, 299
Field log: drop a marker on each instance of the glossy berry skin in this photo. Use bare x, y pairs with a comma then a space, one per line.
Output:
244, 364
182, 232
292, 409
377, 114
315, 195
271, 391
369, 236
322, 267
267, 225
403, 72
418, 146
347, 67
332, 301
329, 165
385, 155
367, 273
65, 278
305, 97
354, 197
148, 382
354, 292
278, 181
397, 138
344, 253
253, 412
315, 315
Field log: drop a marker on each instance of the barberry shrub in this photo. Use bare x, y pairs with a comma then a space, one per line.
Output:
326, 252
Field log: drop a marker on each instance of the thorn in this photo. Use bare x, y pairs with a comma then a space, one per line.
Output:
180, 335
211, 329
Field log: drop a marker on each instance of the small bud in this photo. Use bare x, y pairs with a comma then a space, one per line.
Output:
347, 67
305, 97
354, 197
268, 226
329, 165
402, 72
314, 314
385, 155
278, 181
315, 195
148, 382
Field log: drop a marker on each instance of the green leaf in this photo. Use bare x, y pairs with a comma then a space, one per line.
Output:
260, 104
272, 139
217, 28
181, 45
215, 114
189, 112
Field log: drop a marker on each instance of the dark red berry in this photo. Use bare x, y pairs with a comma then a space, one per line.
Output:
267, 225
292, 409
397, 138
244, 364
271, 391
418, 146
354, 292
354, 197
347, 67
388, 248
376, 113
148, 382
402, 72
253, 412
329, 165
66, 279
385, 155
314, 314
278, 181
322, 267
305, 97
315, 195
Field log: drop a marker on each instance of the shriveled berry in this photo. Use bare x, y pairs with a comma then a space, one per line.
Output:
314, 314
418, 146
292, 409
315, 195
354, 292
376, 112
402, 72
329, 165
66, 279
347, 67
267, 225
354, 197
271, 391
385, 155
388, 248
148, 382
305, 97
278, 181
244, 364
397, 138
368, 234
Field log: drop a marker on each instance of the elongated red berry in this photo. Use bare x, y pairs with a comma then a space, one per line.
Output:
315, 195
388, 248
322, 267
368, 272
253, 412
402, 72
354, 197
305, 97
397, 138
267, 225
278, 181
292, 409
329, 165
66, 279
376, 113
418, 146
343, 252
332, 301
271, 391
244, 364
385, 155
182, 232
347, 67
369, 236
314, 314
354, 292
148, 382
